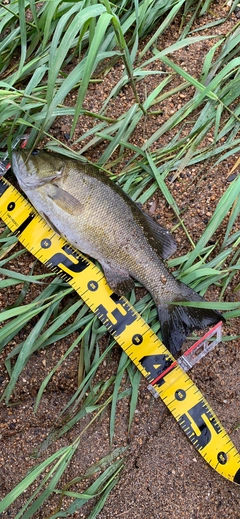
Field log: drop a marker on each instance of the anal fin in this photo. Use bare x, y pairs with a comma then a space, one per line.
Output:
118, 280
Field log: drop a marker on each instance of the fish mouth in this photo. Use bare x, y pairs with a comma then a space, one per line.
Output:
18, 167
26, 179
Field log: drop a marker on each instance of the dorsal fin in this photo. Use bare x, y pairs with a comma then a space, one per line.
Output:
163, 241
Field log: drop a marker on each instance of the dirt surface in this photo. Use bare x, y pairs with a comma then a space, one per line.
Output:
164, 476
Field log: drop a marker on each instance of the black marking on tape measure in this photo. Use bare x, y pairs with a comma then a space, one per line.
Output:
156, 365
137, 339
93, 285
26, 222
236, 478
117, 320
11, 206
168, 367
46, 243
59, 261
180, 395
3, 186
196, 414
222, 457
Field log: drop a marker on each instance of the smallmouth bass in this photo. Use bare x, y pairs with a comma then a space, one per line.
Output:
95, 215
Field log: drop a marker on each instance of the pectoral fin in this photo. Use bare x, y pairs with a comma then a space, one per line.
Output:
65, 200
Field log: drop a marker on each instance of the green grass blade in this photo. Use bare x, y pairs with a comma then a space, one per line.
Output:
124, 361
31, 477
100, 30
224, 205
162, 28
134, 396
49, 376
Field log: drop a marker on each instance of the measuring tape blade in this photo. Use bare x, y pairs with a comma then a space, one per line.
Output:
165, 376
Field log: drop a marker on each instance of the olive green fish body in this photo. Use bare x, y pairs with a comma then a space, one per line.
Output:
97, 217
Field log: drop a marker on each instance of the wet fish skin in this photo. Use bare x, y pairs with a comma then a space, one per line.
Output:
97, 217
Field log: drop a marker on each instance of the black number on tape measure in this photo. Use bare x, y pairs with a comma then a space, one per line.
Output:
3, 186
46, 243
200, 415
117, 320
11, 206
25, 224
155, 365
137, 339
180, 395
60, 261
222, 457
92, 285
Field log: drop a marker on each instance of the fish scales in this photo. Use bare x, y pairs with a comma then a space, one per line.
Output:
95, 215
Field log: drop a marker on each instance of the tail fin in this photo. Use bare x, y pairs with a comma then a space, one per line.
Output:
177, 322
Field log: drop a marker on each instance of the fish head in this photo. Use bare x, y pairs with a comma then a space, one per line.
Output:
37, 168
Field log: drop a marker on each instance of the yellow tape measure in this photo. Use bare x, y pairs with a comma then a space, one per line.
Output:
156, 364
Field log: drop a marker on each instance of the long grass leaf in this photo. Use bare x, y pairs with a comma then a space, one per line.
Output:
22, 20
31, 477
60, 46
162, 27
224, 205
49, 376
99, 33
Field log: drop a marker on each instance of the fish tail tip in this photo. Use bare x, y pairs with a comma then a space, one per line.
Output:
177, 322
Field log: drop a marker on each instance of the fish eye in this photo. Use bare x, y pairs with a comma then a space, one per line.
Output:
35, 152
60, 171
